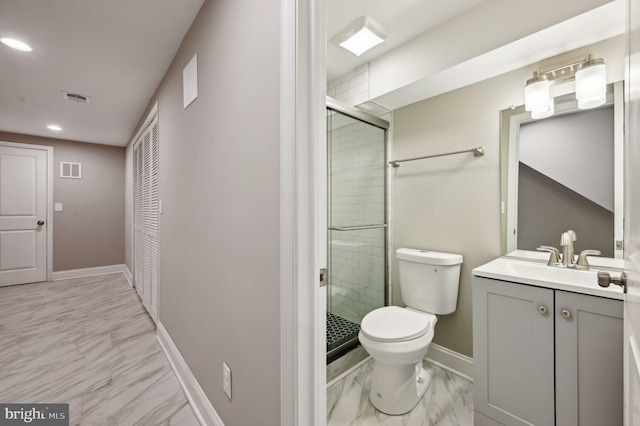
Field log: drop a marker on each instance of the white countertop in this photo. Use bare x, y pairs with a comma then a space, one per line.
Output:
536, 272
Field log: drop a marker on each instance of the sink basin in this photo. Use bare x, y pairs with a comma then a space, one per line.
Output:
542, 275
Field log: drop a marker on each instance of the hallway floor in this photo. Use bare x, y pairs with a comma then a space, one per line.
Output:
87, 342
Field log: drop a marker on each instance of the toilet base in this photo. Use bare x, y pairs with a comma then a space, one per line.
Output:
397, 389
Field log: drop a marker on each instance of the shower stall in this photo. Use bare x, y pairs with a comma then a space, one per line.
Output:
357, 222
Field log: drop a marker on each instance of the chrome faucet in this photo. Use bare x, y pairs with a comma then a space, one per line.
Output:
566, 242
567, 259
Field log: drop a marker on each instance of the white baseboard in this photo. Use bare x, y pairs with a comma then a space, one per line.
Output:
452, 361
347, 372
87, 272
201, 405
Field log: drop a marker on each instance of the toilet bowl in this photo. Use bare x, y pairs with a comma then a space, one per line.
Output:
398, 338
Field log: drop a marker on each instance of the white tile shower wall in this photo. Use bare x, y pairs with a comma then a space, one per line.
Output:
357, 198
352, 88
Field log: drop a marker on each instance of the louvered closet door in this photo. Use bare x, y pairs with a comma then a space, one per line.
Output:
145, 182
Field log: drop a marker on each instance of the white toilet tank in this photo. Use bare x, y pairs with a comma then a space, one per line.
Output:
429, 280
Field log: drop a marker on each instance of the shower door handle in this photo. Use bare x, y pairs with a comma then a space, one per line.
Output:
357, 228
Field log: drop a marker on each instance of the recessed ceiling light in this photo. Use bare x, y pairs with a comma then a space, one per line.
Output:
16, 44
54, 127
360, 36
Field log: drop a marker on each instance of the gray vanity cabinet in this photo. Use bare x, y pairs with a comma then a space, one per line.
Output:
513, 353
589, 356
545, 357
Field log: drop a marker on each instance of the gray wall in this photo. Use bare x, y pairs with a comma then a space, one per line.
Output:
449, 204
566, 180
576, 150
546, 209
452, 204
89, 232
219, 234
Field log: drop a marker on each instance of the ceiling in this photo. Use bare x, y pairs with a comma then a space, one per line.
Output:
401, 19
117, 51
435, 46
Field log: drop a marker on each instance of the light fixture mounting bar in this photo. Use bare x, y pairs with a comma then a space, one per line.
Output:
563, 72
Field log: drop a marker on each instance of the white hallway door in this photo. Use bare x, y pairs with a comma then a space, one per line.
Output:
23, 215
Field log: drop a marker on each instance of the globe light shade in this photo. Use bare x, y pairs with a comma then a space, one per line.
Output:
591, 84
536, 93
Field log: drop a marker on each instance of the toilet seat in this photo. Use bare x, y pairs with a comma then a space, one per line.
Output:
396, 324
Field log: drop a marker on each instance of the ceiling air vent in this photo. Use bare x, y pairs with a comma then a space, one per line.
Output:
75, 97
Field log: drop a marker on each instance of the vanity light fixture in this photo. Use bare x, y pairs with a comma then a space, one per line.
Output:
16, 44
360, 36
591, 85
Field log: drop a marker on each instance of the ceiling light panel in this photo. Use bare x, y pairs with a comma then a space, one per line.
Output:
16, 44
360, 36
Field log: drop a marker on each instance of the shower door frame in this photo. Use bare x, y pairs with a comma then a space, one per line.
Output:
362, 116
384, 125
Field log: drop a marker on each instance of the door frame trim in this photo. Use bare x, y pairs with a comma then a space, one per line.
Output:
49, 151
302, 213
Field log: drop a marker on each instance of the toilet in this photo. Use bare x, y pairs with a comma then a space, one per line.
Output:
398, 338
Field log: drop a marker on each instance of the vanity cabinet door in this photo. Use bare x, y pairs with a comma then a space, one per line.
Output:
589, 345
513, 353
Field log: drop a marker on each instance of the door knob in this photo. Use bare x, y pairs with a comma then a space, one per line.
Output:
40, 222
565, 313
542, 309
604, 279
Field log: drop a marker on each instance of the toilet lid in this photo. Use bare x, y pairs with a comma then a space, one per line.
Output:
396, 324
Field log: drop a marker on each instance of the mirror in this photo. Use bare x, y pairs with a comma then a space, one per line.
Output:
563, 172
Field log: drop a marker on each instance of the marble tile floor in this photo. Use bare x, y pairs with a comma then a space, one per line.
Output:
447, 402
87, 342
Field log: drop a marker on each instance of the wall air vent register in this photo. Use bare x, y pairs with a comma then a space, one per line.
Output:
76, 97
70, 170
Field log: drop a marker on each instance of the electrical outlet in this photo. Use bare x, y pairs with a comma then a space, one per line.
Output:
226, 379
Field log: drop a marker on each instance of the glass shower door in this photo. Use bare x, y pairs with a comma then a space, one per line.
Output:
357, 221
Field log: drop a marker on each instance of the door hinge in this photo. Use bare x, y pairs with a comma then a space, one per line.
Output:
323, 277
